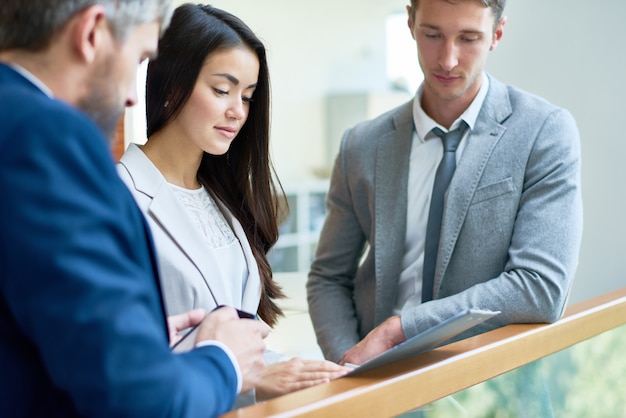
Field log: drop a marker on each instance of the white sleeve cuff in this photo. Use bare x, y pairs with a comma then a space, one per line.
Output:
230, 355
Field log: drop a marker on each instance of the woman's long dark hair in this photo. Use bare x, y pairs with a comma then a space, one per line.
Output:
243, 179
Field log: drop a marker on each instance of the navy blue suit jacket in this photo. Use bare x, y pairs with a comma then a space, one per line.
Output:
82, 328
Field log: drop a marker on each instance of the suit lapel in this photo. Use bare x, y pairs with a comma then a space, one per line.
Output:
169, 215
484, 137
154, 265
391, 183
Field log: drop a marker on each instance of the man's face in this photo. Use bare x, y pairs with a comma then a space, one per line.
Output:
112, 81
453, 40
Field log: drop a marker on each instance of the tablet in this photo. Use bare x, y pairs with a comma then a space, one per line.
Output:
428, 339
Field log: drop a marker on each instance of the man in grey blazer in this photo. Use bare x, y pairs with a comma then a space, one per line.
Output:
512, 217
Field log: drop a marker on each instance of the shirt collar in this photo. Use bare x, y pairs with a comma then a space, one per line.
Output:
30, 77
424, 124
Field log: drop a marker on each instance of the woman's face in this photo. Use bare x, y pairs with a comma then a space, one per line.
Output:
220, 101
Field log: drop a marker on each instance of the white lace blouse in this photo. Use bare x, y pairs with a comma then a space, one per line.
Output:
209, 221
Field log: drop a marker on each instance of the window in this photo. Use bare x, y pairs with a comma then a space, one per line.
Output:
403, 69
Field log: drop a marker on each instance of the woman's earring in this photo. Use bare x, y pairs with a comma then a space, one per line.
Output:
167, 102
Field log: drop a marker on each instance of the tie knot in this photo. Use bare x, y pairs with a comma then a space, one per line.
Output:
451, 139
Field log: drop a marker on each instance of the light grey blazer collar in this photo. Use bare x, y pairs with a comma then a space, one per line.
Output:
481, 142
392, 168
168, 214
390, 211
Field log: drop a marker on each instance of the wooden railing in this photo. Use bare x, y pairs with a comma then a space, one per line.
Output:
422, 379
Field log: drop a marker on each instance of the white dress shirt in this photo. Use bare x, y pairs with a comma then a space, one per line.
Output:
424, 159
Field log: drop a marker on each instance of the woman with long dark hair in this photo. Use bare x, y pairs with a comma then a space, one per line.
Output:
204, 178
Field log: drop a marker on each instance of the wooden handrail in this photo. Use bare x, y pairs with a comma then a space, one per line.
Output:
417, 381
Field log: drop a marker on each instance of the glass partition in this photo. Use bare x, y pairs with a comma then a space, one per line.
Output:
586, 380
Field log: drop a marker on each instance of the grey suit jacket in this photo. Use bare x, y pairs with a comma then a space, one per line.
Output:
189, 277
511, 229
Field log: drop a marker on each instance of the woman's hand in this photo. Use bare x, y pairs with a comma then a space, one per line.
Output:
295, 374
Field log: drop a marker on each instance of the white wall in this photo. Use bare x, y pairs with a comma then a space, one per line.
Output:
573, 53
314, 48
569, 51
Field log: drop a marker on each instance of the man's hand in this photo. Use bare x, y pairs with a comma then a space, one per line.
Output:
295, 374
380, 339
177, 323
244, 337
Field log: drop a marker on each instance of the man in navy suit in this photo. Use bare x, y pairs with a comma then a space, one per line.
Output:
82, 328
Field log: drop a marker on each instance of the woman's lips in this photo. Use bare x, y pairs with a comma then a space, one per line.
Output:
227, 131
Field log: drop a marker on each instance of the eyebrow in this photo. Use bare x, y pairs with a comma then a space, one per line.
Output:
234, 79
434, 27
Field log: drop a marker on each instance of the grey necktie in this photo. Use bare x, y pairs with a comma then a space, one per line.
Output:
443, 176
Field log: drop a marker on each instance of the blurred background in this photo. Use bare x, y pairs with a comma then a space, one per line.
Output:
334, 63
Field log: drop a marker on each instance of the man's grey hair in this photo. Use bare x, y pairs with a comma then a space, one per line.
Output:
32, 24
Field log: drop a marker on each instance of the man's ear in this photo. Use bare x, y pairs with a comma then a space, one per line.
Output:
497, 34
409, 12
89, 32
